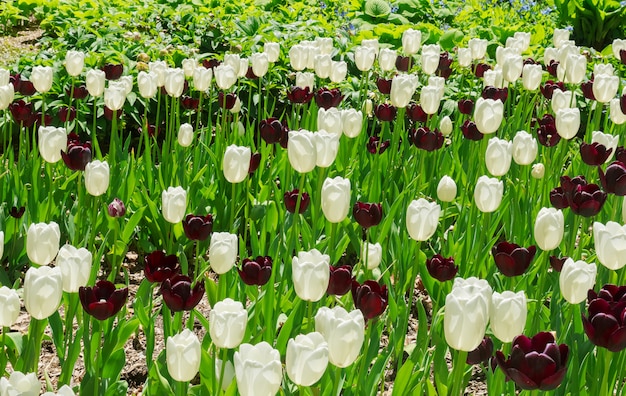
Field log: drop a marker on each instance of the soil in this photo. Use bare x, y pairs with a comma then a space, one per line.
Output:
22, 43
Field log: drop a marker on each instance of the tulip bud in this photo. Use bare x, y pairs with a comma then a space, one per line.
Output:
147, 84
272, 50
610, 243
330, 120
488, 194
51, 142
531, 76
605, 87
302, 150
338, 71
7, 94
43, 289
387, 59
538, 171
422, 219
567, 122
114, 97
310, 272
430, 58
512, 68
403, 87
430, 99
575, 68
75, 266
202, 78
508, 314
323, 65
10, 303
549, 228
307, 358
327, 146
41, 77
478, 47
411, 41
182, 354
236, 163
575, 279
446, 189
524, 148
174, 204
441, 268
344, 332
561, 100
258, 370
223, 251
336, 199
467, 313
97, 177
616, 114
228, 320
260, 63
464, 56
20, 384
42, 242
351, 122
225, 76
174, 82
95, 81
185, 135
74, 62
488, 114
445, 126
498, 156
368, 107
298, 57
372, 252
364, 57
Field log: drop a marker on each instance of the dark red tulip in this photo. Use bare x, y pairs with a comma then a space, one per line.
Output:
557, 263
272, 130
116, 208
470, 131
587, 88
552, 67
80, 92
482, 354
445, 61
190, 103
256, 271
415, 113
441, 268
250, 74
614, 179
376, 146
299, 95
27, 88
546, 133
66, 114
367, 214
595, 153
558, 198
620, 154
548, 88
384, 86
108, 113
480, 69
605, 324
328, 98
112, 71
403, 63
198, 227
535, 363
152, 130
622, 56
622, 103
291, 200
587, 200
385, 112
226, 102
530, 61
255, 161
370, 297
102, 301
21, 111
16, 212
178, 294
466, 106
570, 184
210, 63
490, 92
512, 259
340, 280
158, 266
78, 154
16, 80
425, 139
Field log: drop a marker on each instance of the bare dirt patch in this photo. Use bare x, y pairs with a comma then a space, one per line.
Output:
21, 44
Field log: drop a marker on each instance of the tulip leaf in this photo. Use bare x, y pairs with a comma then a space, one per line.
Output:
129, 227
117, 388
123, 332
140, 312
56, 324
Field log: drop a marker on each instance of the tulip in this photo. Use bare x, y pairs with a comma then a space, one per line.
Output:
228, 320
95, 81
102, 301
327, 146
467, 313
445, 126
594, 154
159, 267
41, 77
364, 57
97, 177
367, 214
7, 94
464, 56
298, 57
430, 58
174, 204
185, 135
422, 219
202, 78
179, 295
257, 271
225, 76
338, 71
307, 358
488, 194
189, 65
51, 142
330, 120
370, 297
549, 228
351, 122
323, 65
478, 47
42, 242
488, 114
372, 253
559, 36
567, 122
272, 50
43, 289
605, 87
327, 99
493, 78
512, 68
618, 46
587, 200
17, 213
403, 87
302, 150
310, 274
610, 244
147, 84
512, 259
113, 71
77, 154
10, 303
430, 98
223, 251
126, 82
258, 370
524, 148
498, 156
466, 106
344, 333
607, 140
291, 201
197, 227
300, 95
561, 100
446, 189
575, 279
75, 266
482, 354
441, 268
375, 146
538, 171
114, 97
411, 41
182, 354
236, 163
272, 130
531, 76
575, 68
20, 384
605, 325
387, 59
508, 314
174, 82
5, 77
335, 199
616, 113
385, 112
556, 263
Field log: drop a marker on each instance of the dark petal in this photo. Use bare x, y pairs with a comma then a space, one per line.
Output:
103, 290
502, 362
371, 305
604, 326
196, 295
521, 379
598, 306
617, 342
118, 299
554, 380
539, 366
506, 264
553, 352
540, 340
589, 329
101, 310
524, 343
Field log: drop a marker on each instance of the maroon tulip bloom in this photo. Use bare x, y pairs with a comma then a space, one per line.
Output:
385, 112
340, 280
570, 184
250, 74
226, 101
210, 63
605, 324
622, 103
179, 295
77, 155
622, 56
445, 61
535, 363
552, 67
557, 263
159, 267
21, 111
198, 227
480, 69
102, 301
441, 268
80, 92
403, 63
16, 80
299, 95
470, 131
558, 198
367, 214
512, 259
548, 88
27, 88
594, 154
291, 200
66, 114
370, 298
415, 113
482, 354
620, 154
108, 113
16, 212
112, 72
530, 61
614, 179
587, 88
376, 146
116, 208
328, 98
425, 139
546, 133
466, 106
255, 161
384, 86
587, 200
190, 103
490, 92
257, 271
272, 130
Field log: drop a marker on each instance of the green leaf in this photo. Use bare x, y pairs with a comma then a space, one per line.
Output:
129, 228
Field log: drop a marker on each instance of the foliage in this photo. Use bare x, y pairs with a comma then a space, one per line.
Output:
596, 22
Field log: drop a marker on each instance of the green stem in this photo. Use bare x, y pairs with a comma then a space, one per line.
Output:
35, 336
224, 357
150, 330
364, 358
3, 354
233, 205
458, 369
606, 356
337, 386
94, 130
181, 388
296, 214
